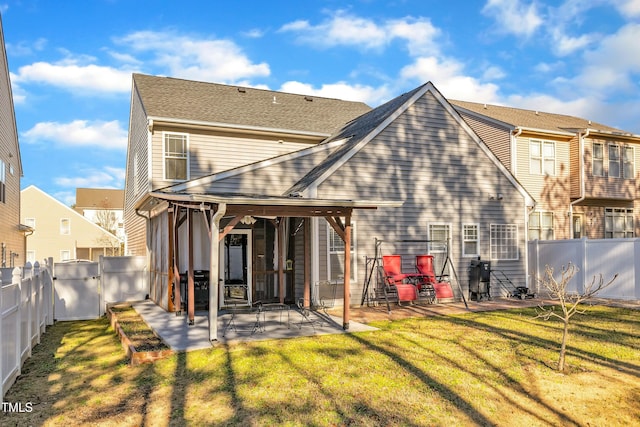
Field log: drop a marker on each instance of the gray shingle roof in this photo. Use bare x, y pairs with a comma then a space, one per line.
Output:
532, 119
243, 106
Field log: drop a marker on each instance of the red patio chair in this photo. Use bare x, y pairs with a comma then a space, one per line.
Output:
424, 266
395, 279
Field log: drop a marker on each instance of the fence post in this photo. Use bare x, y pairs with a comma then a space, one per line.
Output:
48, 293
38, 296
28, 278
1, 332
16, 279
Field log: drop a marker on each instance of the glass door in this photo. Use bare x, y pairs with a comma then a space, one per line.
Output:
577, 227
235, 268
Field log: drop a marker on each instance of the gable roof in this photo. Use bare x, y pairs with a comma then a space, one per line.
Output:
99, 198
212, 103
531, 119
368, 126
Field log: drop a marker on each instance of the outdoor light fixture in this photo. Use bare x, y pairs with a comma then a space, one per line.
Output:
248, 220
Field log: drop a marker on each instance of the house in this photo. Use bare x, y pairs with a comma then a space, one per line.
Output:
12, 232
181, 129
102, 206
582, 174
410, 173
62, 233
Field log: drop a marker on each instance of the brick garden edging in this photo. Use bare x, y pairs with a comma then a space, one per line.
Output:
135, 357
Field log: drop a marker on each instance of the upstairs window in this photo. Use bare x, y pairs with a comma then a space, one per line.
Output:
542, 157
628, 169
176, 156
614, 161
598, 160
65, 226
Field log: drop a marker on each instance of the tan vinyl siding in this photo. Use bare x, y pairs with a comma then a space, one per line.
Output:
211, 152
552, 193
426, 160
606, 186
497, 139
10, 235
136, 179
574, 166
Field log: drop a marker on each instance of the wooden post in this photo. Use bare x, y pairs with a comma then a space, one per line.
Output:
190, 283
214, 270
170, 271
307, 261
281, 249
176, 262
347, 272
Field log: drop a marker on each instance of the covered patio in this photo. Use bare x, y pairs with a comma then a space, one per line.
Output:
221, 214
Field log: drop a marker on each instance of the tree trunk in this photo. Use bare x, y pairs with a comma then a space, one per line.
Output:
563, 347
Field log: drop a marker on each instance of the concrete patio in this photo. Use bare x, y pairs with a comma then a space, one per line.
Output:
239, 325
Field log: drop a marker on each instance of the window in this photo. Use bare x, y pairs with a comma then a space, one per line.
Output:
176, 156
65, 226
614, 161
470, 240
3, 182
30, 222
31, 257
439, 239
542, 157
618, 223
336, 254
504, 241
628, 169
598, 160
541, 226
65, 255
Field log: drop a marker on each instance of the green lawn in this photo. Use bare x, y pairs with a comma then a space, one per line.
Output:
491, 368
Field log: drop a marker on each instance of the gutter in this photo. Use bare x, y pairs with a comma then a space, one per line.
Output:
581, 138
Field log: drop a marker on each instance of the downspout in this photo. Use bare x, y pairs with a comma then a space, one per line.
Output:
214, 273
527, 212
581, 138
147, 255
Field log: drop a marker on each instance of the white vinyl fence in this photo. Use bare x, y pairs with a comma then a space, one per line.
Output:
30, 300
25, 311
606, 257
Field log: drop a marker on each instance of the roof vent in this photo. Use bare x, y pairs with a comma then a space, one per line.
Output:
308, 98
242, 90
485, 106
589, 122
537, 113
274, 100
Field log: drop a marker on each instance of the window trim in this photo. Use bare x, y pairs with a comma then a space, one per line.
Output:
540, 228
30, 222
619, 161
465, 240
495, 256
542, 158
608, 212
594, 158
68, 231
354, 250
632, 162
3, 182
67, 252
187, 156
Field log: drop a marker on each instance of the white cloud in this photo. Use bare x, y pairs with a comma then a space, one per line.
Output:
514, 16
344, 29
564, 44
340, 90
87, 78
493, 72
108, 177
628, 8
448, 77
79, 133
204, 60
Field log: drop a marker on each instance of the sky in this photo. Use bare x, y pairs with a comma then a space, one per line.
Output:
71, 62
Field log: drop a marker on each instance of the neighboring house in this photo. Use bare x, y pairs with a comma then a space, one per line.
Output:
62, 233
411, 173
181, 129
102, 206
583, 175
12, 233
